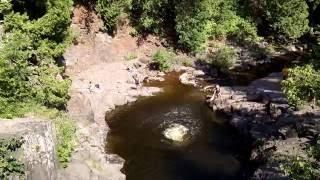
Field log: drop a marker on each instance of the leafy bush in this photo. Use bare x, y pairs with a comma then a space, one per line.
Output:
196, 21
300, 169
288, 17
193, 22
302, 84
151, 16
304, 168
66, 138
162, 59
9, 165
28, 69
224, 58
111, 10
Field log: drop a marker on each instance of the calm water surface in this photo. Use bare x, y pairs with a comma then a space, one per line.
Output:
213, 151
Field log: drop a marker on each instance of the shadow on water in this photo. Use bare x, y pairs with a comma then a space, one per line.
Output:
214, 151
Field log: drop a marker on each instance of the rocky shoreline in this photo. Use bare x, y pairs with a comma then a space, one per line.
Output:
92, 96
260, 111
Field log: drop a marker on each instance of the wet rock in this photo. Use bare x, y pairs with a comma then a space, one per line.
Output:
187, 79
288, 132
198, 73
190, 76
275, 112
240, 123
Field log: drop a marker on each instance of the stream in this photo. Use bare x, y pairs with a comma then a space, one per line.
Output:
213, 149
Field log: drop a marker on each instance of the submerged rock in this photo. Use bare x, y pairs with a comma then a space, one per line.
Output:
176, 133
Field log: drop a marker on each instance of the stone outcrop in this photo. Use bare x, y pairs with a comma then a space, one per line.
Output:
38, 150
94, 92
101, 81
261, 112
190, 76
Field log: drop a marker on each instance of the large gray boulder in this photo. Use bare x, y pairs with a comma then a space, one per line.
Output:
39, 147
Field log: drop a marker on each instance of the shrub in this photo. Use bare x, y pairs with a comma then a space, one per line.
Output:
65, 129
28, 68
162, 59
288, 17
300, 169
302, 84
111, 10
304, 168
196, 21
153, 16
193, 22
9, 165
224, 58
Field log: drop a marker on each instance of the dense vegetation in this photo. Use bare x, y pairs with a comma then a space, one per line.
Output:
32, 43
192, 23
9, 165
35, 35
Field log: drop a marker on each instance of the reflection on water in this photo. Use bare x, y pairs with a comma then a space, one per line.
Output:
213, 151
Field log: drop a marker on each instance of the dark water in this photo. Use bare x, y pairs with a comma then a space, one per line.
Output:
214, 150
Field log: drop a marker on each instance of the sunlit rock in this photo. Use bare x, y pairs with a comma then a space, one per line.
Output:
176, 132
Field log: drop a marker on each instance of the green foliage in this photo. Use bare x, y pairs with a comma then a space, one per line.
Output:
303, 84
65, 132
196, 21
5, 7
300, 169
304, 168
288, 17
162, 59
224, 58
111, 10
28, 68
66, 138
9, 165
152, 16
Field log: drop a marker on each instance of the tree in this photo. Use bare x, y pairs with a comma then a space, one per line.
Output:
288, 17
28, 68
